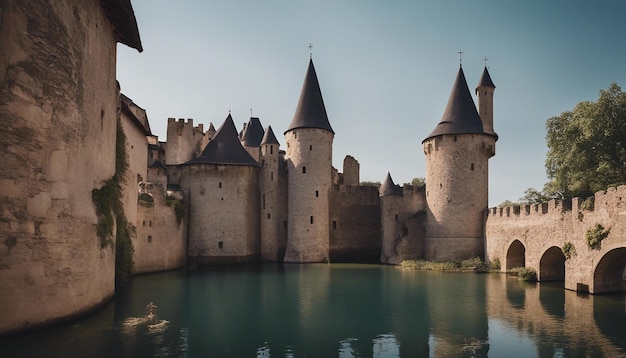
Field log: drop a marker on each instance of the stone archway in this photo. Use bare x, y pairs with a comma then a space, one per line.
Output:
609, 274
552, 265
515, 255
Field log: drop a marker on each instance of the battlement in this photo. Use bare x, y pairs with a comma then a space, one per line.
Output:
182, 122
604, 199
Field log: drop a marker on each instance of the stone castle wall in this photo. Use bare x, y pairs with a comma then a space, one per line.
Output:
161, 240
354, 224
543, 228
184, 141
223, 213
402, 225
58, 104
273, 215
457, 174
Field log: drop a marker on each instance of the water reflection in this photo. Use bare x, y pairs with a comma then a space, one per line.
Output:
338, 310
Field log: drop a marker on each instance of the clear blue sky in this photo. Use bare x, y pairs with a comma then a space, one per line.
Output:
385, 68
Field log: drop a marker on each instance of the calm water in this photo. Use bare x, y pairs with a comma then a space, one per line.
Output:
338, 310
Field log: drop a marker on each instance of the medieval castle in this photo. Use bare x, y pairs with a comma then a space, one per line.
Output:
248, 200
224, 196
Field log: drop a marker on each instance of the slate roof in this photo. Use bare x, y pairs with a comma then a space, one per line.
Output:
460, 115
121, 15
485, 80
253, 133
388, 187
225, 148
157, 164
311, 112
269, 137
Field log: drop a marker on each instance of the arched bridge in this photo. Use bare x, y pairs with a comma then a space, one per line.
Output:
553, 239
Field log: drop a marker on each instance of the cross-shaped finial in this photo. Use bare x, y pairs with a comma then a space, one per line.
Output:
310, 50
250, 111
229, 109
460, 57
485, 59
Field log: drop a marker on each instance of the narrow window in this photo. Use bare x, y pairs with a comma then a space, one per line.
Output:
311, 147
271, 149
472, 166
272, 176
334, 224
303, 170
311, 219
269, 216
285, 224
263, 201
220, 245
149, 238
317, 194
144, 223
396, 217
220, 185
150, 223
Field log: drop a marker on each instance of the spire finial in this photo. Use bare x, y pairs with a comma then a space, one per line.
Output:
310, 51
229, 108
250, 112
485, 59
460, 58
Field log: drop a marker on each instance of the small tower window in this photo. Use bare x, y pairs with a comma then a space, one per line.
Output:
311, 147
271, 176
220, 245
311, 219
149, 238
472, 166
285, 224
303, 170
220, 185
396, 217
271, 149
317, 194
334, 224
269, 216
263, 201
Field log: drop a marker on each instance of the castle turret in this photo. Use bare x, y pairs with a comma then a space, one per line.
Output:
309, 162
457, 154
273, 200
484, 92
221, 187
252, 136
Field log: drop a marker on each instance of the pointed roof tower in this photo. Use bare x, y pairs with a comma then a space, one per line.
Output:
388, 187
253, 133
310, 112
460, 116
485, 80
225, 148
269, 137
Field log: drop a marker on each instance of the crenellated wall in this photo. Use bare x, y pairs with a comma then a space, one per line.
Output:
184, 141
533, 235
354, 224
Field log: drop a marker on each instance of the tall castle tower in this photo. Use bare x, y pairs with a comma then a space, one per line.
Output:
273, 203
457, 153
309, 161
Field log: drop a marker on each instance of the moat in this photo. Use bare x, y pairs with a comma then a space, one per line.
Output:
344, 310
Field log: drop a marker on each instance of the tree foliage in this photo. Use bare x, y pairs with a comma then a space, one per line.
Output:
533, 196
587, 146
418, 182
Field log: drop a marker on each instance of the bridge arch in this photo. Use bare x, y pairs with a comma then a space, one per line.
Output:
552, 265
515, 255
609, 275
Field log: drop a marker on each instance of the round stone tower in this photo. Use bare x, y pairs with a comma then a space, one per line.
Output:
457, 154
273, 240
309, 161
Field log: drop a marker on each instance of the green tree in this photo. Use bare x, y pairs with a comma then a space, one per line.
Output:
507, 203
533, 196
587, 146
418, 182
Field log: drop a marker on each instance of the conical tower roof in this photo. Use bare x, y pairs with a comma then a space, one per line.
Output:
485, 80
253, 134
460, 116
225, 148
269, 137
388, 187
310, 112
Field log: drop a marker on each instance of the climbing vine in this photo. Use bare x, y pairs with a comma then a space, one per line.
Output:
109, 205
595, 235
177, 205
569, 250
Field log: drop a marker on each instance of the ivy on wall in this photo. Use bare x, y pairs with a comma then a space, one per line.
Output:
109, 205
